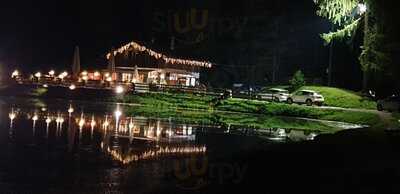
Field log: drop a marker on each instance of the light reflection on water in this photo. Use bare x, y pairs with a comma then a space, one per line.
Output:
117, 125
164, 137
74, 132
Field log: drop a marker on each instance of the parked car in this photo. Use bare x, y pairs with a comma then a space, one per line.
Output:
241, 90
308, 97
389, 104
274, 94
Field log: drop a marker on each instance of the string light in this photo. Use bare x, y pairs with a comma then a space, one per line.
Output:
136, 47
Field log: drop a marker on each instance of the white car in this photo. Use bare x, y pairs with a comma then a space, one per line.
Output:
308, 97
390, 104
274, 94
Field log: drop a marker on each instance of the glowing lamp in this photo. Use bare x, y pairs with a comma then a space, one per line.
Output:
119, 90
72, 87
38, 74
70, 109
362, 8
12, 115
85, 77
51, 73
15, 74
48, 120
81, 122
118, 113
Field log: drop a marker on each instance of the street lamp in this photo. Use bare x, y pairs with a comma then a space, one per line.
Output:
362, 8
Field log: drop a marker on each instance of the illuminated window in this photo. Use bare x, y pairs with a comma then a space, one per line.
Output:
126, 77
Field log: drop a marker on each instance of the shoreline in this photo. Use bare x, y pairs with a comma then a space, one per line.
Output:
186, 105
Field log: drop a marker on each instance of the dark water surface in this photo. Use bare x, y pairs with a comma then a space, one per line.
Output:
58, 146
94, 149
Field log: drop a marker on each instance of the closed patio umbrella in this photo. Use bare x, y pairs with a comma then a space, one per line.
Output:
76, 64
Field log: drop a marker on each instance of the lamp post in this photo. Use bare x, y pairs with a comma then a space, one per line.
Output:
363, 9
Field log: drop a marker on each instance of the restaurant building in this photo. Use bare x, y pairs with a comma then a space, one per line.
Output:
134, 63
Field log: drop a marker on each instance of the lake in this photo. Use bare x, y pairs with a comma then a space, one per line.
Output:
61, 146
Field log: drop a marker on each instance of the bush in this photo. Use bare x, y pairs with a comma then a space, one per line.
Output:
297, 80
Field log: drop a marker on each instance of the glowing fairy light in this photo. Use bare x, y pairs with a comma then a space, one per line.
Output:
96, 74
109, 79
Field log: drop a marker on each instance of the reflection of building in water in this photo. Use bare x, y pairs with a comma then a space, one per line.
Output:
143, 139
126, 139
131, 155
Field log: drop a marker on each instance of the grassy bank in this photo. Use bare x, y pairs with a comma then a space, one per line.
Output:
233, 119
343, 98
266, 108
196, 108
156, 102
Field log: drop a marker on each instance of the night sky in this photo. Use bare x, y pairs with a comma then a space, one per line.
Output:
39, 35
